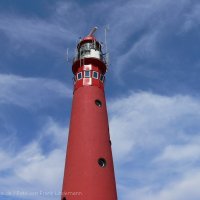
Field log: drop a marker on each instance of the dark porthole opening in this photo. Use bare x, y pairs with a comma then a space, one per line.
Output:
102, 162
98, 103
64, 198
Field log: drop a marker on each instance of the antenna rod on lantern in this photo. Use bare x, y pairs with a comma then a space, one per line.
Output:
93, 31
67, 54
106, 46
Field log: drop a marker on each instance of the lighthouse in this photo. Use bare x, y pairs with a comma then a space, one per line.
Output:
89, 169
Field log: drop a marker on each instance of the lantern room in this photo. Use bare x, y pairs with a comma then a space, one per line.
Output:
89, 47
89, 52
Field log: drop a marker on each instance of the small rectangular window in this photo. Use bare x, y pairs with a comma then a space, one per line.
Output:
79, 76
102, 78
95, 75
87, 74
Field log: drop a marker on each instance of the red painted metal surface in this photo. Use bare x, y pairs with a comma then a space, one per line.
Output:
96, 62
89, 171
88, 81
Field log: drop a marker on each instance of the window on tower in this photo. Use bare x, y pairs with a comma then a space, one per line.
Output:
102, 78
79, 76
95, 75
85, 49
87, 74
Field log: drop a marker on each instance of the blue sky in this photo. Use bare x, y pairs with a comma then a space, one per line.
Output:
152, 90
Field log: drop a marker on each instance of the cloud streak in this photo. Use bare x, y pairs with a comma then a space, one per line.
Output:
31, 92
138, 40
154, 139
32, 170
50, 33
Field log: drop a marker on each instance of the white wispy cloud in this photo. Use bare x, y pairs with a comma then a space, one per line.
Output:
33, 170
192, 19
28, 34
140, 29
28, 91
182, 189
163, 117
181, 153
155, 139
33, 31
145, 47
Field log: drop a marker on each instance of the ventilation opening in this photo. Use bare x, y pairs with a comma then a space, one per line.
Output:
98, 103
110, 142
102, 162
64, 198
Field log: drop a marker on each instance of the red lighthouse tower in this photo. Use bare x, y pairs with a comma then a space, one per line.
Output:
89, 171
